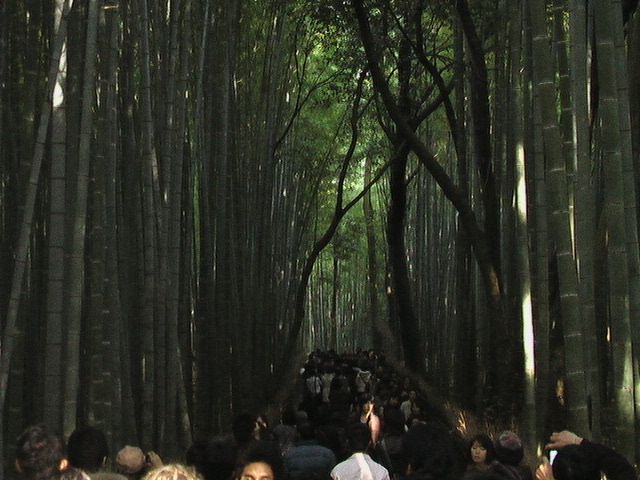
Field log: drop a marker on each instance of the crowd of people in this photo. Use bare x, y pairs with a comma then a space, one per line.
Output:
354, 419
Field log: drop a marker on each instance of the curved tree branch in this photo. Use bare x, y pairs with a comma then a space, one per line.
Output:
286, 368
427, 158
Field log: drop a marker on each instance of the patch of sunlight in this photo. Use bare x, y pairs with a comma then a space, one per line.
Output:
521, 188
528, 334
461, 423
58, 91
625, 402
58, 95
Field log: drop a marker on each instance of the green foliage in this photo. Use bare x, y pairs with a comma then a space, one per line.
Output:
350, 241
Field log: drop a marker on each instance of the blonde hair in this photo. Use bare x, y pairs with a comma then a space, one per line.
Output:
173, 471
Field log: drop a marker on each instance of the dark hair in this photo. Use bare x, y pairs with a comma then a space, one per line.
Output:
39, 452
289, 416
485, 442
358, 437
393, 421
573, 463
307, 431
243, 427
336, 383
429, 450
261, 451
213, 458
87, 448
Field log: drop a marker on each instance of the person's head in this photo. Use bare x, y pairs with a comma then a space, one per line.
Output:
307, 431
130, 460
322, 415
196, 454
289, 416
172, 471
87, 448
301, 417
573, 463
40, 453
394, 401
415, 418
260, 461
364, 365
245, 428
508, 448
481, 449
428, 449
358, 437
213, 458
367, 406
336, 384
393, 422
74, 474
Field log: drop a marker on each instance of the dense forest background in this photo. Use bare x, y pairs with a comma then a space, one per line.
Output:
194, 194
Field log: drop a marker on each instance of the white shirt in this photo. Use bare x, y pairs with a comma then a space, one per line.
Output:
359, 466
314, 384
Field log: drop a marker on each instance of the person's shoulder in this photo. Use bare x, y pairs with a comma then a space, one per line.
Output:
337, 470
344, 464
327, 452
380, 472
316, 447
304, 449
375, 464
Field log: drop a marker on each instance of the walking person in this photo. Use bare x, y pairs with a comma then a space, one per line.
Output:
359, 465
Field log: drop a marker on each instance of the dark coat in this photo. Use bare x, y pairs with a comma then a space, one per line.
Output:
309, 461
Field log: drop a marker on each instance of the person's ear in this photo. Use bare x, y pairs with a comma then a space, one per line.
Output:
64, 463
19, 467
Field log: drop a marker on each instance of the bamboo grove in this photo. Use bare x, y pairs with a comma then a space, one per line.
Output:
195, 194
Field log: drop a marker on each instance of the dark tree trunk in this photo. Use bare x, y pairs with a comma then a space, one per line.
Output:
409, 326
479, 242
481, 116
